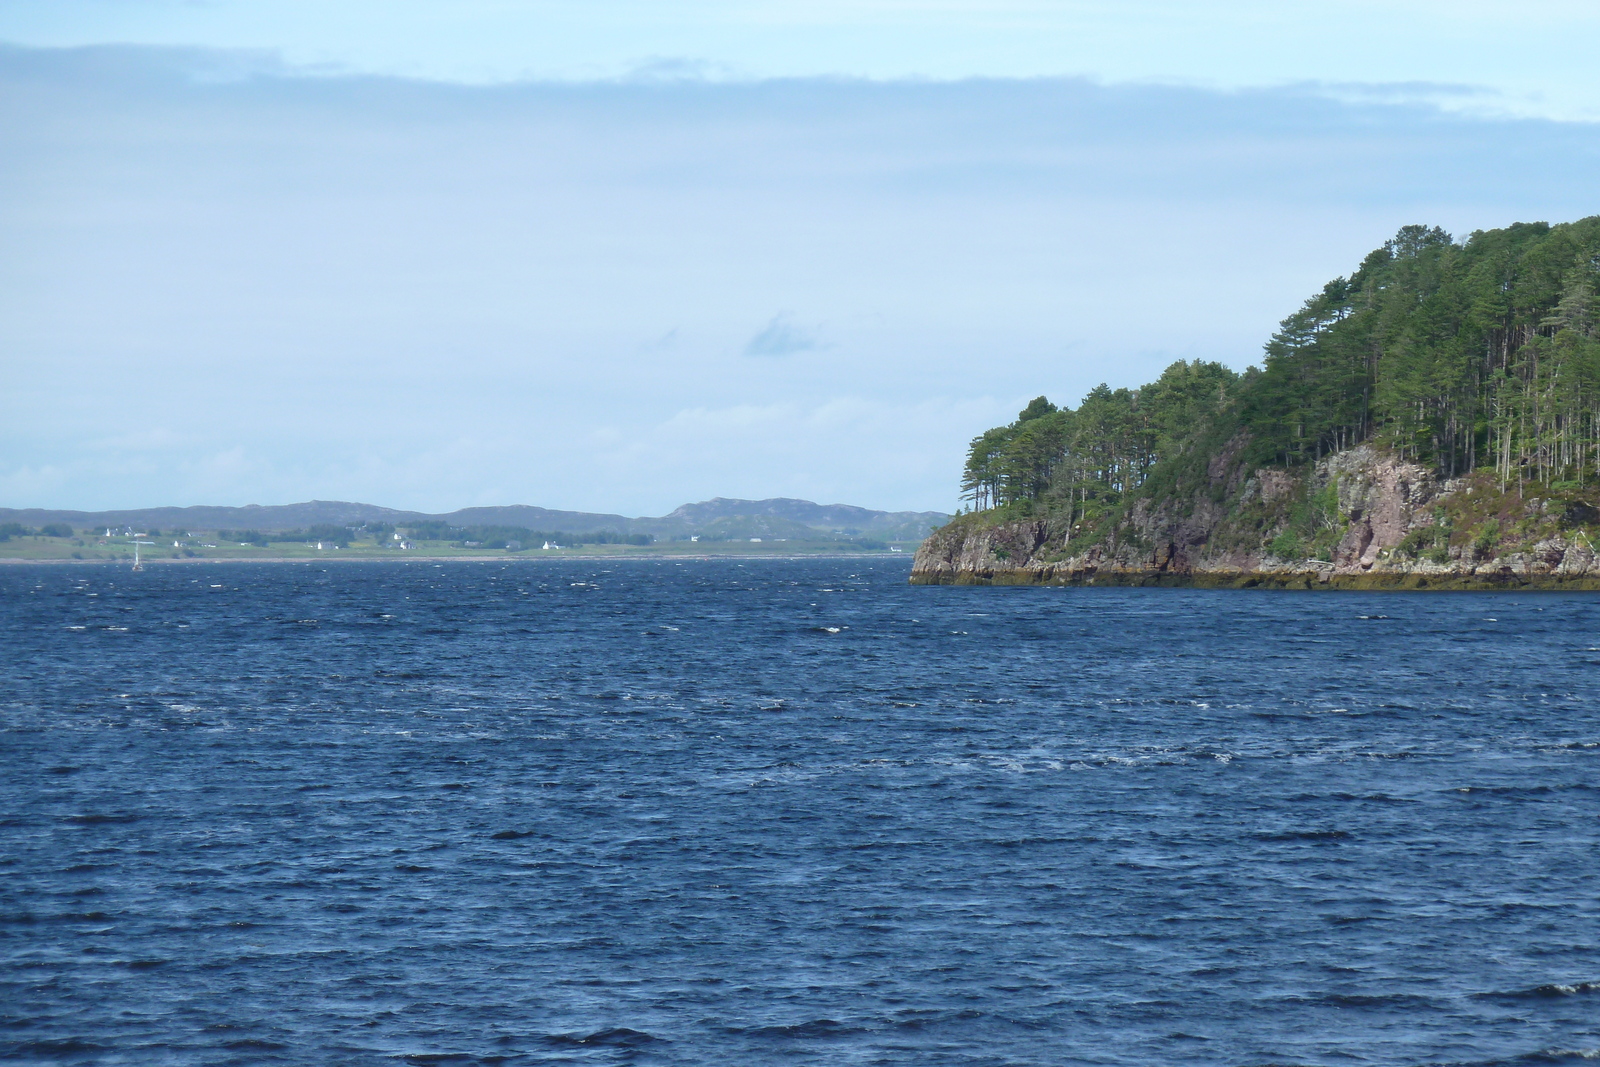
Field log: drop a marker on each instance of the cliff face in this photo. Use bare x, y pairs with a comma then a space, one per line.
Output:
1358, 519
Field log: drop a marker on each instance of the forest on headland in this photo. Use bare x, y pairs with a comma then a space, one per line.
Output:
1462, 356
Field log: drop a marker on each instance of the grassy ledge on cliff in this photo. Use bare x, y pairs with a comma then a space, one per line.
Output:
1431, 421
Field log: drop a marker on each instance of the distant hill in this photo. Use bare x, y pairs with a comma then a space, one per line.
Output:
786, 517
249, 517
719, 518
533, 518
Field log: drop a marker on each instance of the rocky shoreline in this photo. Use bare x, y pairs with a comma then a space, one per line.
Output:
1505, 580
1384, 524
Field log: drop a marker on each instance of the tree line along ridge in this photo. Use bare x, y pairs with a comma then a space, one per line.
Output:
1459, 355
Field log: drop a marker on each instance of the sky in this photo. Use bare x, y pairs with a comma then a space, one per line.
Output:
620, 256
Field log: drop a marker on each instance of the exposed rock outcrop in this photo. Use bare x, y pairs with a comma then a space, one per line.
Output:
1358, 519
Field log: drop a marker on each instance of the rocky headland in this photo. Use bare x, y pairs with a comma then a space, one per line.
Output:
1385, 523
1431, 421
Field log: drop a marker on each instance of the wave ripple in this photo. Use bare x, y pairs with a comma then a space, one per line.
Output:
699, 814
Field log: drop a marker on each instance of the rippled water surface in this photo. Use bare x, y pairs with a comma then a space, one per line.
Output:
788, 812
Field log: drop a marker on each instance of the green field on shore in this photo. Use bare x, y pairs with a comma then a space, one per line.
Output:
91, 549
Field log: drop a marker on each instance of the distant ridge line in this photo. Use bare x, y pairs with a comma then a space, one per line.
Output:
775, 517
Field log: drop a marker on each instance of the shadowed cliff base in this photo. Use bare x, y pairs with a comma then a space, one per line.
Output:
1305, 581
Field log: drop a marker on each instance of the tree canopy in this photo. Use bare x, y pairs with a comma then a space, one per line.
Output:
1458, 354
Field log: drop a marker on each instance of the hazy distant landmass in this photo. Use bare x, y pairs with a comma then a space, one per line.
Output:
719, 518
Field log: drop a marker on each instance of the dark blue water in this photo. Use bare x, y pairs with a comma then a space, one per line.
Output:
788, 812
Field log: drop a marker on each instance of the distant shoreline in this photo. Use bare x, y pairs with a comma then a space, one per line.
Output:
151, 561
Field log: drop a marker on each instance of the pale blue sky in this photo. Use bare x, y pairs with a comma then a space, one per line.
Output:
440, 255
1531, 57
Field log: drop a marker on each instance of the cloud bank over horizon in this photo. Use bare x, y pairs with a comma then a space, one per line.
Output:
1532, 59
228, 285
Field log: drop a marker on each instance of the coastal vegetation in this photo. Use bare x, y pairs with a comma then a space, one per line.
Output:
375, 544
1475, 363
9, 530
719, 526
1482, 353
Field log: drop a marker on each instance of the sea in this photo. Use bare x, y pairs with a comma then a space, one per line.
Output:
748, 812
